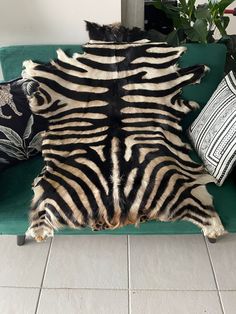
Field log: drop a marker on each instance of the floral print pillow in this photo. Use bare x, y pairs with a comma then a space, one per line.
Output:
20, 130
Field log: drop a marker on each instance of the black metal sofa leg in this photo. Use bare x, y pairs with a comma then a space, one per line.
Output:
20, 240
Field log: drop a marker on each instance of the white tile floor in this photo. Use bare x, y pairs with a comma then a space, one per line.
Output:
118, 275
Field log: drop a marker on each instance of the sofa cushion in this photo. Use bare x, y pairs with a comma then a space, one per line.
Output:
20, 130
213, 133
12, 57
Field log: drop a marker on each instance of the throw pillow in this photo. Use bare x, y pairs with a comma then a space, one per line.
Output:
113, 149
213, 133
20, 130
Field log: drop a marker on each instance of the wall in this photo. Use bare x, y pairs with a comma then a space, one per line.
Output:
53, 21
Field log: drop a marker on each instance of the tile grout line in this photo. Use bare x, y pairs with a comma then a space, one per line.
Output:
44, 272
214, 275
118, 289
128, 256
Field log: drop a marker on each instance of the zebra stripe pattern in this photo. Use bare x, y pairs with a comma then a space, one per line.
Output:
114, 153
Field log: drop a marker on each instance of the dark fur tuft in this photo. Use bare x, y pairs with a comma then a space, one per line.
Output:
114, 32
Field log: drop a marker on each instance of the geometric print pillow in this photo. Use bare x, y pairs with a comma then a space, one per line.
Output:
20, 130
213, 133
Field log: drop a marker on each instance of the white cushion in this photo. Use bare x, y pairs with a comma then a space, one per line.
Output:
213, 133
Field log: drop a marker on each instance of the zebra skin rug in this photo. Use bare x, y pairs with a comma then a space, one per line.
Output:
114, 153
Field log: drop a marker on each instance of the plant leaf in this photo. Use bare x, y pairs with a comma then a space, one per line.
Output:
198, 33
11, 135
226, 21
191, 8
28, 128
36, 142
223, 4
158, 4
220, 25
202, 12
173, 39
184, 6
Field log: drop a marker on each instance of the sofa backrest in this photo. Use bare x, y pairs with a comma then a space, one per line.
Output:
12, 57
213, 56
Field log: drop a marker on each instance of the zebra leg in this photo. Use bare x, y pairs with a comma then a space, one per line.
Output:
40, 220
214, 230
41, 226
211, 240
40, 234
200, 210
212, 227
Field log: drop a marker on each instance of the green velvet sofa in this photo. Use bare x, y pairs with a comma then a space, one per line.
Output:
15, 181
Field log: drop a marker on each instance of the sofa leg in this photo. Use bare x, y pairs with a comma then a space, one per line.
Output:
20, 240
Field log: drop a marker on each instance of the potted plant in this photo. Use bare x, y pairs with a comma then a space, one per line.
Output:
197, 23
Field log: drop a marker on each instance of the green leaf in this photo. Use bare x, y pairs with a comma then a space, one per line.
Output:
191, 7
184, 6
198, 33
181, 22
226, 21
203, 12
223, 4
182, 36
220, 25
173, 38
158, 4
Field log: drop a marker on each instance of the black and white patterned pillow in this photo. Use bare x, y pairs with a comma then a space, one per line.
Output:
213, 133
20, 130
